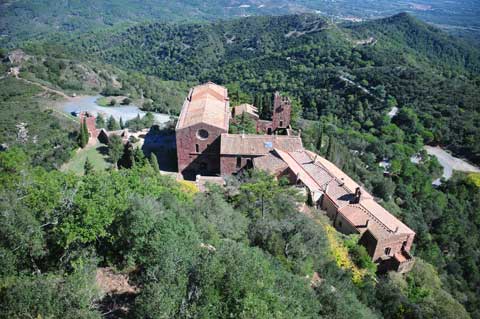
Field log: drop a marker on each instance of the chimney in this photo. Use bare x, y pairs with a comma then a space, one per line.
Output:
356, 196
299, 132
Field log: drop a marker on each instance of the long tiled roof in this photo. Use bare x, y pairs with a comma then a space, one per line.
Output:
320, 175
256, 145
206, 103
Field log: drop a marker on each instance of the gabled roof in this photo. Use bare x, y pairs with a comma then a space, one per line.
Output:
320, 175
271, 163
207, 103
257, 145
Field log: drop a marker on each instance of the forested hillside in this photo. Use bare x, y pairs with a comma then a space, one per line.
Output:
24, 20
246, 251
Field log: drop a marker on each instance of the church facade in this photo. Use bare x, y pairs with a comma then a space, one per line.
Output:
204, 146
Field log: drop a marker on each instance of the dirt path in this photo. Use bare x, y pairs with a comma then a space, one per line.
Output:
46, 88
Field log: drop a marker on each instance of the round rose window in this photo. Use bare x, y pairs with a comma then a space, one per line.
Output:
202, 134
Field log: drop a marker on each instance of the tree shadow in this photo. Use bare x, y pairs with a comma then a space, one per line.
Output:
114, 306
163, 144
103, 149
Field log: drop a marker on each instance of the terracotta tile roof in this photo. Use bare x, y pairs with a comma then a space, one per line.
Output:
296, 167
385, 217
207, 103
320, 175
245, 108
271, 163
219, 91
256, 145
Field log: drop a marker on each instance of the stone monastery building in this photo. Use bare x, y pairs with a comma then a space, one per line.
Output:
204, 147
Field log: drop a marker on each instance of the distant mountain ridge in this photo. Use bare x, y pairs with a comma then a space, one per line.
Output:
189, 50
23, 20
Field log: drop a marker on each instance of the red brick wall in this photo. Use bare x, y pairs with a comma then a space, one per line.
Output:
207, 159
263, 126
282, 109
228, 163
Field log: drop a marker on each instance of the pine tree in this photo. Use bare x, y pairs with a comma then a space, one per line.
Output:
115, 149
100, 121
88, 167
139, 157
112, 124
154, 162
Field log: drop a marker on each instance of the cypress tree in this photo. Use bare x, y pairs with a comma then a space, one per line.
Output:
320, 140
267, 106
154, 162
330, 149
258, 104
80, 137
86, 136
83, 134
122, 126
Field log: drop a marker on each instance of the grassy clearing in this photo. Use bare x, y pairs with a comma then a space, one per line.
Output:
103, 101
97, 154
107, 100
